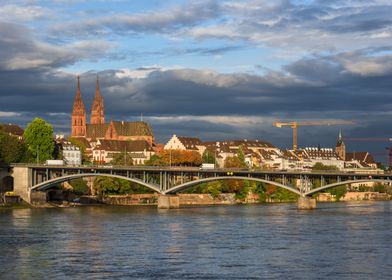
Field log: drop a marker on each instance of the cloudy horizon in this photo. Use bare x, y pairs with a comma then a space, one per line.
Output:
210, 69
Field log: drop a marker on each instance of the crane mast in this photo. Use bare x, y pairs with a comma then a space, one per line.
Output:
294, 125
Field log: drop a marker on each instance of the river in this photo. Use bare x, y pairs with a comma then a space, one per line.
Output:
274, 241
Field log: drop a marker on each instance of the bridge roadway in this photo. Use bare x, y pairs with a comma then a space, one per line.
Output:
168, 181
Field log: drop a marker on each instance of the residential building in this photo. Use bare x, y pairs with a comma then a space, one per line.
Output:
185, 144
12, 129
105, 151
71, 153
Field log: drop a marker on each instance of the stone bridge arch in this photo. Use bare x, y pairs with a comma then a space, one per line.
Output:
6, 184
49, 183
347, 182
190, 184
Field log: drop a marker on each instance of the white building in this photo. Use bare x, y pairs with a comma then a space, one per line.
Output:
185, 144
70, 152
106, 150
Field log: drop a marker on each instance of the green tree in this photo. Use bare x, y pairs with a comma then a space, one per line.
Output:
122, 159
241, 156
338, 192
12, 150
39, 140
320, 166
155, 160
79, 186
208, 157
109, 186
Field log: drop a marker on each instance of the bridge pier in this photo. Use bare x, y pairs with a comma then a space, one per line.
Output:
38, 198
168, 202
22, 182
306, 203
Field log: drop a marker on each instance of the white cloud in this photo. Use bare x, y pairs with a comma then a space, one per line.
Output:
9, 114
236, 121
367, 66
18, 13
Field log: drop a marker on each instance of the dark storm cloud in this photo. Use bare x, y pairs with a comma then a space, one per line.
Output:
215, 106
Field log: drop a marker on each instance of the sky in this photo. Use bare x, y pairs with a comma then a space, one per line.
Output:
209, 69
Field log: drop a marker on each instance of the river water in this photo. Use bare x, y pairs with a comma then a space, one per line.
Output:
336, 241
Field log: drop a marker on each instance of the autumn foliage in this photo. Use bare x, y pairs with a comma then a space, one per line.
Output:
177, 158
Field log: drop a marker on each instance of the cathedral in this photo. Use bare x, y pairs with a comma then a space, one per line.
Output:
99, 129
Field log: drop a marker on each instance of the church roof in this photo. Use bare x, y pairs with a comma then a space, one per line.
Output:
122, 129
122, 146
133, 128
96, 130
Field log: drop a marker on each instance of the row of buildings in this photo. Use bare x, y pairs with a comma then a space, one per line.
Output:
103, 141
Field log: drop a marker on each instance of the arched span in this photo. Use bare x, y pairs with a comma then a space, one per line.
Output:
206, 180
348, 182
51, 182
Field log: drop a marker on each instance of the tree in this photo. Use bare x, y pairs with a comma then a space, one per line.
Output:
320, 166
241, 156
155, 160
12, 150
39, 140
233, 162
180, 158
338, 192
122, 159
108, 186
79, 186
208, 157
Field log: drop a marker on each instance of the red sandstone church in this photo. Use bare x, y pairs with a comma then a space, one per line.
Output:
98, 129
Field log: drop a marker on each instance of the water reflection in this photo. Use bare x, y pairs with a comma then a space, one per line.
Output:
345, 241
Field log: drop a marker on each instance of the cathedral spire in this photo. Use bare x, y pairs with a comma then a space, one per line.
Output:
97, 109
78, 114
97, 91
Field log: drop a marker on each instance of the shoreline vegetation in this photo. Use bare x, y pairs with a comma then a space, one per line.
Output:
194, 199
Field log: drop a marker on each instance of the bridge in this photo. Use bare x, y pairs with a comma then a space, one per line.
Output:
32, 180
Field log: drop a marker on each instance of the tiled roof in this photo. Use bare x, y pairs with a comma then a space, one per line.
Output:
83, 141
12, 129
190, 143
249, 143
231, 146
360, 156
96, 130
323, 153
133, 129
267, 155
122, 146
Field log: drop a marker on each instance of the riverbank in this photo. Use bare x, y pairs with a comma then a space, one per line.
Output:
221, 199
185, 199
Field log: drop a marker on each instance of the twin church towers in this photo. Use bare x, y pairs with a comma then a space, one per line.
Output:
79, 116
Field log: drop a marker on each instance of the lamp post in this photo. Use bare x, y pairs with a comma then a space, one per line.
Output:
170, 157
37, 154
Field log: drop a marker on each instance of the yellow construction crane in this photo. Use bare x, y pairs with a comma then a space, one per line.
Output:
295, 124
